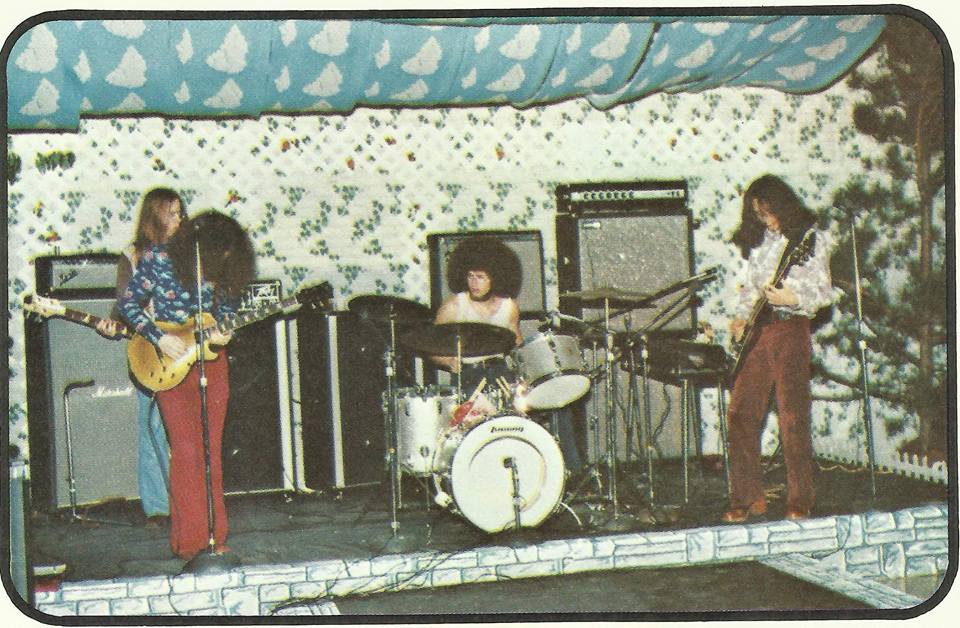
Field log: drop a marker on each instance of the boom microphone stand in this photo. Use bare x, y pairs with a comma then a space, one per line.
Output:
208, 562
864, 376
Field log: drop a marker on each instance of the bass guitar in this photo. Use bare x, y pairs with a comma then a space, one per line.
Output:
156, 371
797, 255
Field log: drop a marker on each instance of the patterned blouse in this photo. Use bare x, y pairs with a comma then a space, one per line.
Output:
154, 280
810, 280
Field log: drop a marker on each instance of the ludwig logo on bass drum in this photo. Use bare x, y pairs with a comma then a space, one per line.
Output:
516, 428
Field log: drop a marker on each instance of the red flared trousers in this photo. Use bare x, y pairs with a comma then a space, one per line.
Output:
778, 361
180, 409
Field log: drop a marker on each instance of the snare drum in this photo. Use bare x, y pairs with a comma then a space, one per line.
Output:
422, 416
552, 369
476, 470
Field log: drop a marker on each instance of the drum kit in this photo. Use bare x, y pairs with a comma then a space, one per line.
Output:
483, 455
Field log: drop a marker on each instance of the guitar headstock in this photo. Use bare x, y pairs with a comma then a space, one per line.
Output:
319, 297
804, 251
43, 306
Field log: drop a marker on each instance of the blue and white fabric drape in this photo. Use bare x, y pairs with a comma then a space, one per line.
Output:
59, 70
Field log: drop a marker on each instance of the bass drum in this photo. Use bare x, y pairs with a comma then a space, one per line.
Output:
479, 470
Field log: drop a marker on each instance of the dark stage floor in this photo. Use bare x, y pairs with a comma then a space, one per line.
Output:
272, 528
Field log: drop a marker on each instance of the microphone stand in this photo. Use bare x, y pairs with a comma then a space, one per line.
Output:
864, 376
71, 474
207, 562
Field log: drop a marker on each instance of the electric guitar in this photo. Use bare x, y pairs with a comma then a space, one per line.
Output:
149, 365
798, 255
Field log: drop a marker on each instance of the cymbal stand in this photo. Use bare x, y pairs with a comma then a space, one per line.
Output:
610, 410
646, 422
634, 424
390, 417
648, 443
592, 472
662, 318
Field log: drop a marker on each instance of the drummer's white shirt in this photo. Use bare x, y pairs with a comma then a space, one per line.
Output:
466, 313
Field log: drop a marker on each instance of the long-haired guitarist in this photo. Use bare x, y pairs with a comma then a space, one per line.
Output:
161, 211
787, 280
166, 276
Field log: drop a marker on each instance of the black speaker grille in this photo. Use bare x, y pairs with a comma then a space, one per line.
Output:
642, 252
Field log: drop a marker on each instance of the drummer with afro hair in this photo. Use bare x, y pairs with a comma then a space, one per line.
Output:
484, 276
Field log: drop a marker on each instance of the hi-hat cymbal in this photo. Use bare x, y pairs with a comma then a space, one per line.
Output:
610, 294
474, 338
383, 308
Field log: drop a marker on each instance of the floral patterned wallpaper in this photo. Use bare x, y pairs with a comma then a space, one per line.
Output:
351, 199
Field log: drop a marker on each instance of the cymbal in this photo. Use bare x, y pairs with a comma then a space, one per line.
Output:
609, 293
475, 339
382, 308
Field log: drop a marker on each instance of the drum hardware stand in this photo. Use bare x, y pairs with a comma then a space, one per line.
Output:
647, 417
592, 472
209, 561
617, 521
664, 316
646, 424
71, 474
397, 541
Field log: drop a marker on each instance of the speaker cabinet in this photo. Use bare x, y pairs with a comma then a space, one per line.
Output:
103, 415
634, 236
342, 383
253, 441
528, 245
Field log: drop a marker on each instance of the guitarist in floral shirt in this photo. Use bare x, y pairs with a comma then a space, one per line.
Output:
787, 281
166, 276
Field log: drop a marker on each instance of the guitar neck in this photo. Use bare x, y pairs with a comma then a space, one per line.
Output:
251, 317
90, 320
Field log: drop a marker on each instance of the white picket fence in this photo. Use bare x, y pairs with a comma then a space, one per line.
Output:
909, 465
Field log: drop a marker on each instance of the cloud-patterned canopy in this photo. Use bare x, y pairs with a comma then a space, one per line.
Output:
58, 70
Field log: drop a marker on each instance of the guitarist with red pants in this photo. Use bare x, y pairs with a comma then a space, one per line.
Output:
787, 280
166, 276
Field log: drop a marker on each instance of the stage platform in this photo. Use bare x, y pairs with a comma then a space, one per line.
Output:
298, 549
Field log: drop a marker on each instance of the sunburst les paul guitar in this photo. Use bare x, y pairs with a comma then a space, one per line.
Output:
798, 255
149, 365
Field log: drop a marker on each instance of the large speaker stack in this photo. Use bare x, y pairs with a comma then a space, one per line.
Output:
342, 377
635, 236
103, 416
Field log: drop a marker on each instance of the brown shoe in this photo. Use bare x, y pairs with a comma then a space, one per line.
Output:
740, 515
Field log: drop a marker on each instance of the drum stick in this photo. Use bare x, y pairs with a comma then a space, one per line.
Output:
476, 393
504, 386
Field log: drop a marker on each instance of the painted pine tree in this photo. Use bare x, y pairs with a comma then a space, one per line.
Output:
898, 206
